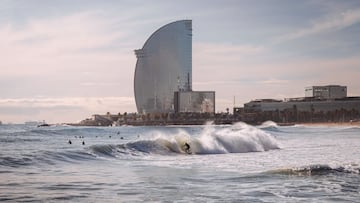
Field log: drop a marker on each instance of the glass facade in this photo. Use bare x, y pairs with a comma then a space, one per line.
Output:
164, 66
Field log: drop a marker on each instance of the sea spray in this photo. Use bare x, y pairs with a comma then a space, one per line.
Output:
238, 138
268, 124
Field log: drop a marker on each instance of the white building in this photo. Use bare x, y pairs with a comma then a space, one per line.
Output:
326, 92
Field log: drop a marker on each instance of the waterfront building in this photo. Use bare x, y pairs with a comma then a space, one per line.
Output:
164, 66
321, 103
163, 74
326, 92
309, 105
317, 98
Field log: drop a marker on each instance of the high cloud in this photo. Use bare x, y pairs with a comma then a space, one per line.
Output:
56, 44
333, 21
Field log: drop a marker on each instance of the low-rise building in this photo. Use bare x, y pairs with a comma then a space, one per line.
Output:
321, 103
326, 92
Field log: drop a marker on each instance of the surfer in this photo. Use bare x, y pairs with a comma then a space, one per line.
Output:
187, 148
69, 142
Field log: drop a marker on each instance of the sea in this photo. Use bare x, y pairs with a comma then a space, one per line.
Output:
222, 163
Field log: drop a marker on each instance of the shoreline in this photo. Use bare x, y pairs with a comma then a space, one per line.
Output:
332, 124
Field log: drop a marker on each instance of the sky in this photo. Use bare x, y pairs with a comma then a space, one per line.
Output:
65, 60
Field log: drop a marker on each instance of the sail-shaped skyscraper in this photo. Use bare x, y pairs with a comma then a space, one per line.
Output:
164, 67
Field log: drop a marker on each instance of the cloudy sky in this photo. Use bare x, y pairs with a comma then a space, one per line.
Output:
64, 60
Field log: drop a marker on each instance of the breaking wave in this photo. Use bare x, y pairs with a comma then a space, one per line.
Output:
238, 138
269, 125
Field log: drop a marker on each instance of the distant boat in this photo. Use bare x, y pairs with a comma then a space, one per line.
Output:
44, 124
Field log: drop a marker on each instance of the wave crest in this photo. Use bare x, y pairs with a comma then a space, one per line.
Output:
238, 138
270, 126
318, 169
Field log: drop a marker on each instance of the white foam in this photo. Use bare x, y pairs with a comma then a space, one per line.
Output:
238, 138
269, 124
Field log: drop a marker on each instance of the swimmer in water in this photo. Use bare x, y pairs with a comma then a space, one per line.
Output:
69, 142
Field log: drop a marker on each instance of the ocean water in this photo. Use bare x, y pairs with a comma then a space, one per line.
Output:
229, 163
